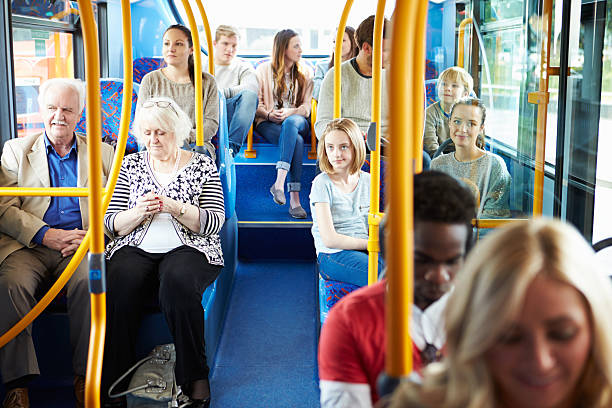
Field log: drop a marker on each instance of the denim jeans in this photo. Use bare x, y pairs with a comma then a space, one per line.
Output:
290, 137
347, 266
240, 113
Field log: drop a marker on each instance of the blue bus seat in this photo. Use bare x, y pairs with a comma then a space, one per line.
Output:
225, 161
144, 65
112, 96
330, 292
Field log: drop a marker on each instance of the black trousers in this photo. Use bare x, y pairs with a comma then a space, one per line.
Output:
177, 279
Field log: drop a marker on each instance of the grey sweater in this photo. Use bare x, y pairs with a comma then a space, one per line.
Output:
155, 84
356, 100
436, 128
236, 77
486, 176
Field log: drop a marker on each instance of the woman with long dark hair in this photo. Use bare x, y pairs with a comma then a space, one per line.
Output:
349, 50
176, 80
285, 91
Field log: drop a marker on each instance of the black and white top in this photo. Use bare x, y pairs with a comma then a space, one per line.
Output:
197, 183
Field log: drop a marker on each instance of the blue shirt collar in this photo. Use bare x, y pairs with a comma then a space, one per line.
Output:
50, 148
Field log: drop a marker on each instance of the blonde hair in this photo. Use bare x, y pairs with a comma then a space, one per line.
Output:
226, 30
171, 119
488, 295
459, 75
357, 144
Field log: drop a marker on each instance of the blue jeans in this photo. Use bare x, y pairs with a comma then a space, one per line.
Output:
347, 266
290, 137
240, 114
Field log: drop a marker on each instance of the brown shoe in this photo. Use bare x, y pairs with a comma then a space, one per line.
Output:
79, 391
16, 398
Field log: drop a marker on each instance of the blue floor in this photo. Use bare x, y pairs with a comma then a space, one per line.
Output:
267, 353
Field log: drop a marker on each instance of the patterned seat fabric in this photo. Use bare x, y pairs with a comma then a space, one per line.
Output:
431, 75
143, 66
112, 97
330, 292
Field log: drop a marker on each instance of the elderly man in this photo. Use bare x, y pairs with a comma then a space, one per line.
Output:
352, 344
236, 79
39, 235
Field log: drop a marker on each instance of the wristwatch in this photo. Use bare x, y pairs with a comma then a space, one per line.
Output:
183, 210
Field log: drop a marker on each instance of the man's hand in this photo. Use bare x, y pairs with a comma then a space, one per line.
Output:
65, 241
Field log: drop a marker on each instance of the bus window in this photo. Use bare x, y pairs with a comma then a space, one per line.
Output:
38, 56
257, 24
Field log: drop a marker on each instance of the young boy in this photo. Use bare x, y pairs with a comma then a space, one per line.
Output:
454, 83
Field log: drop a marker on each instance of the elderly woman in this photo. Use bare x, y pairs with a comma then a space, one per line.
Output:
528, 325
164, 217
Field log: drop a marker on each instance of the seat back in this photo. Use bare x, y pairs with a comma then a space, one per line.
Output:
225, 161
144, 65
112, 97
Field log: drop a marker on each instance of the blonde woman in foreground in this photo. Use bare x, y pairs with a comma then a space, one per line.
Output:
528, 325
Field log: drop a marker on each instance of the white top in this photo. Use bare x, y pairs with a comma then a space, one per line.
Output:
161, 236
349, 210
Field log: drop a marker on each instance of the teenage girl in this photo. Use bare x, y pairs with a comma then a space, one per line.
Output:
176, 80
483, 171
340, 202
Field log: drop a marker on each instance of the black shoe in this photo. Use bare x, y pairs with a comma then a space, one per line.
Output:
200, 403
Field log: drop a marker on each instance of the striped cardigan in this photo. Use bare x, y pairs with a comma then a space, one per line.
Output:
197, 183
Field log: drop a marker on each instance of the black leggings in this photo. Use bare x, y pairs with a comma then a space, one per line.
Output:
178, 278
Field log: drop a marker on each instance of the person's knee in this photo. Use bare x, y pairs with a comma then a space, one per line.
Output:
177, 291
295, 121
249, 99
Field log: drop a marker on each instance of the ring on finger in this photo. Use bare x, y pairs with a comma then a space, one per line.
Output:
147, 208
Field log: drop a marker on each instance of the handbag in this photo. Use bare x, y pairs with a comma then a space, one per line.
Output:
153, 384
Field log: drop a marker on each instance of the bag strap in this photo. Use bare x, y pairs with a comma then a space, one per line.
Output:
128, 391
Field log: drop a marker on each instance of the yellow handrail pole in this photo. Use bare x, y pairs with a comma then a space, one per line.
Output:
209, 42
97, 271
338, 58
541, 98
495, 222
461, 45
399, 299
195, 36
312, 154
44, 191
419, 86
250, 153
373, 216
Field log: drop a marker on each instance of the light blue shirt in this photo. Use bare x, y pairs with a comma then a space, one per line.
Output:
349, 210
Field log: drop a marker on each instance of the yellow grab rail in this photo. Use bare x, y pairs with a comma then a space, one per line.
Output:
418, 85
209, 42
541, 98
250, 153
312, 154
97, 286
338, 58
195, 36
461, 44
374, 216
403, 76
45, 191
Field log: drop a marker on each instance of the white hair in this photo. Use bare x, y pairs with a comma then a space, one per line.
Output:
172, 120
76, 85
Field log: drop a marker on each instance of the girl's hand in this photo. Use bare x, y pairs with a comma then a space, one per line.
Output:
276, 116
148, 205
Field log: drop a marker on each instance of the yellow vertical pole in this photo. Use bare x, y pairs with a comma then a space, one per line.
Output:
96, 250
374, 215
418, 85
198, 73
338, 58
461, 45
541, 98
209, 42
403, 74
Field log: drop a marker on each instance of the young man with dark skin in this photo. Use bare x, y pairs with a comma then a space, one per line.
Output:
352, 344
